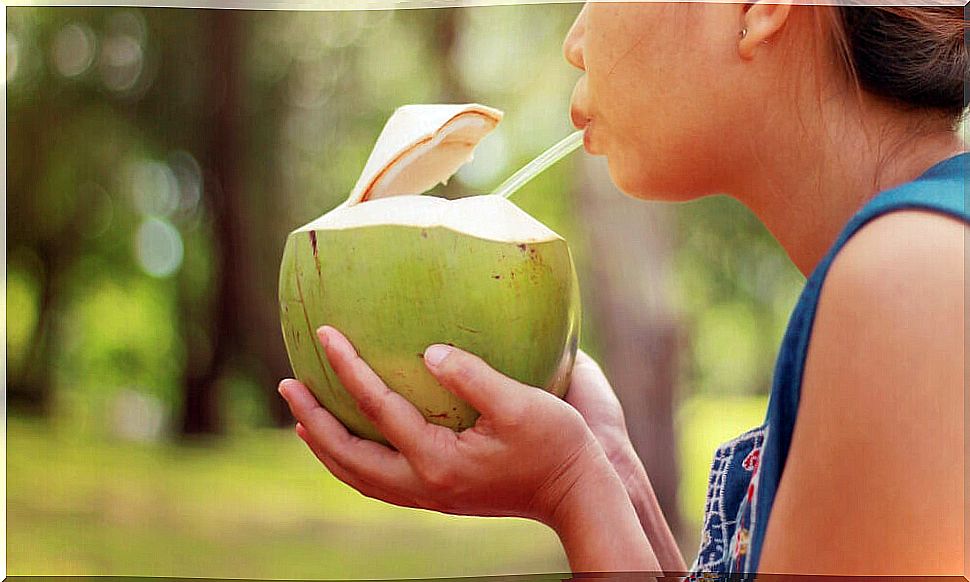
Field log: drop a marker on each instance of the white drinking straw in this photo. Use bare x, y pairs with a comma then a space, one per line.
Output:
547, 158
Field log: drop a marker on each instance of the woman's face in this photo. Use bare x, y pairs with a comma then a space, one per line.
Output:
662, 96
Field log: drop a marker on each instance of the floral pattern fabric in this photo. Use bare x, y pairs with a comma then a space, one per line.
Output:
729, 510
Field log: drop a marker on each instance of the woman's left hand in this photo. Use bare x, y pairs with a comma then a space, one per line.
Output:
524, 457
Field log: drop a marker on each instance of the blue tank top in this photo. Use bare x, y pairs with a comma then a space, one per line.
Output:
746, 471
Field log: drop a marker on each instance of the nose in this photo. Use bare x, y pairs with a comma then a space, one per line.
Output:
572, 46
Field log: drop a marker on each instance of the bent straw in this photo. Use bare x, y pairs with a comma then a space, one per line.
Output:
547, 158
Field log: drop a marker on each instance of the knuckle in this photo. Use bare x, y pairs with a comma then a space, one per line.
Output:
435, 476
544, 405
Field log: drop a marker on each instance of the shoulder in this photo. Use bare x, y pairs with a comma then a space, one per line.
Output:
874, 477
906, 268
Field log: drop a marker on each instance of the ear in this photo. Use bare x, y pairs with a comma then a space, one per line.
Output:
761, 21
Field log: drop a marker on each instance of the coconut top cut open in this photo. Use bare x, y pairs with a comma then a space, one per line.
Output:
420, 147
487, 217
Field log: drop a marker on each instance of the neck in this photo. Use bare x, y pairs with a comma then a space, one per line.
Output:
807, 195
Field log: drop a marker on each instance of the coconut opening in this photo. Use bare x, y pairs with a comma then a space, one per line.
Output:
419, 147
486, 217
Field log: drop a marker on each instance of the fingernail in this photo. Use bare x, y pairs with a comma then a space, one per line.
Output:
288, 385
324, 336
436, 353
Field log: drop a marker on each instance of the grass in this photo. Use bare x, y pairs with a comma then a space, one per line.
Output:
259, 506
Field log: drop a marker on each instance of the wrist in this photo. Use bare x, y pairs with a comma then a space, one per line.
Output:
590, 472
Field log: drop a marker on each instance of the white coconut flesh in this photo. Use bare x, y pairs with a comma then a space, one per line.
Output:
420, 147
486, 217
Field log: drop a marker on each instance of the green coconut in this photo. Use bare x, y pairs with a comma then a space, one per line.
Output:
396, 272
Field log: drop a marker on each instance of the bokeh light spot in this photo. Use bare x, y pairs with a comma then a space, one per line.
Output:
131, 23
158, 246
154, 187
121, 62
73, 49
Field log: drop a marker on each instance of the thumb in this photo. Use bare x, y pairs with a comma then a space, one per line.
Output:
466, 375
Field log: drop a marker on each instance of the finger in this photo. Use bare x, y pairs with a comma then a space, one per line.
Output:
397, 419
368, 459
588, 379
583, 361
348, 477
589, 369
489, 392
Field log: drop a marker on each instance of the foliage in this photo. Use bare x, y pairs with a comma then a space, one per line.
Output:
735, 288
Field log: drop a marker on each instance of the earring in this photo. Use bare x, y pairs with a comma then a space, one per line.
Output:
743, 33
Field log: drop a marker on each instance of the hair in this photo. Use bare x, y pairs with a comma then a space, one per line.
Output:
915, 57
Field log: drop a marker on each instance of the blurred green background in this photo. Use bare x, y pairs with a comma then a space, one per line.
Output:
157, 158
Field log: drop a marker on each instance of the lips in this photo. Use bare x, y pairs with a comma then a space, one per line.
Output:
577, 109
578, 112
579, 117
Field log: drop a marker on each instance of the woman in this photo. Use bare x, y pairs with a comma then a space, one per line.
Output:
806, 115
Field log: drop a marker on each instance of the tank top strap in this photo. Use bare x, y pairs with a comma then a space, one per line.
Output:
940, 189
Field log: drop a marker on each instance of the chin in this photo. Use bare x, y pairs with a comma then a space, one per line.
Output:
653, 182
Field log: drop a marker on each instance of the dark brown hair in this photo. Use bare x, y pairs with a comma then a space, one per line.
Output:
913, 56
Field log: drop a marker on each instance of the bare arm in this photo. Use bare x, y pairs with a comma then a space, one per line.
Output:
590, 393
652, 520
874, 481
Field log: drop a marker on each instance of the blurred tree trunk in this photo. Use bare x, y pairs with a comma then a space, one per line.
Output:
243, 323
31, 390
629, 259
267, 226
48, 237
445, 28
201, 402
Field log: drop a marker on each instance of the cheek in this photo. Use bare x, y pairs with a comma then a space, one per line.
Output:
668, 162
665, 134
662, 103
